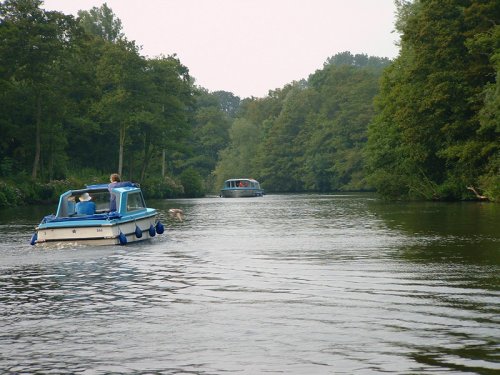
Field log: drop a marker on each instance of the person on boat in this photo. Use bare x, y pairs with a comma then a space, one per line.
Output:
85, 206
115, 182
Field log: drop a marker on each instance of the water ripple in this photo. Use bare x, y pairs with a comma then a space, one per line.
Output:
285, 284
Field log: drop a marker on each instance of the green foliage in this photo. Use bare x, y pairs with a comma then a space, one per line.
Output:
308, 136
490, 184
35, 45
237, 159
101, 22
193, 183
437, 112
359, 60
228, 102
77, 95
162, 188
79, 102
10, 195
210, 134
22, 191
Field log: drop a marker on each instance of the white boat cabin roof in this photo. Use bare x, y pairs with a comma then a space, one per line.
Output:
242, 179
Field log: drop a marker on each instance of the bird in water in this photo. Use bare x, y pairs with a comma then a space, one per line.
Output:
176, 213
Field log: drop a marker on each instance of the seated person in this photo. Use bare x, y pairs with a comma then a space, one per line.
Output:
85, 206
115, 181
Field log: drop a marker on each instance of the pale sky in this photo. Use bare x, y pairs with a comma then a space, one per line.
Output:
249, 47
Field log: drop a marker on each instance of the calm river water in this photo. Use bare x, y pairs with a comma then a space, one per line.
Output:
291, 284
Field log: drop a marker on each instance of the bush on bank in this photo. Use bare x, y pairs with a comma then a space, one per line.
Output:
21, 191
15, 193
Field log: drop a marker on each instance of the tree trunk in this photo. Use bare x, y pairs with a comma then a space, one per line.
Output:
163, 164
148, 153
122, 145
478, 196
38, 124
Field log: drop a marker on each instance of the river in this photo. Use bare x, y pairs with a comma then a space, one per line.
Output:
284, 284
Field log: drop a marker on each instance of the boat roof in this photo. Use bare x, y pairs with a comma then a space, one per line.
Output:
99, 188
89, 189
241, 179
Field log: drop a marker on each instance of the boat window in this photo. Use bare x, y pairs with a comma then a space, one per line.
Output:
135, 202
68, 201
67, 206
101, 200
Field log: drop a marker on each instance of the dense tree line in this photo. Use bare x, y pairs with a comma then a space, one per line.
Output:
436, 132
432, 134
78, 101
310, 135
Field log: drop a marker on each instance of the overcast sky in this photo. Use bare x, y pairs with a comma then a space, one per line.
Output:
249, 47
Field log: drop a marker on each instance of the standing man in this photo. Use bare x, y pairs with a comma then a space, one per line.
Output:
115, 181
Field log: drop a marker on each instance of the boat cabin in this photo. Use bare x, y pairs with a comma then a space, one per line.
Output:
241, 183
129, 199
241, 187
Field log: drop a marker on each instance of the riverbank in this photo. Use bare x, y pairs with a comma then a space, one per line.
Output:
22, 192
15, 193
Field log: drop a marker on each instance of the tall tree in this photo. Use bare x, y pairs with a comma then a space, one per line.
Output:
101, 21
238, 159
163, 122
437, 83
120, 73
310, 134
229, 103
34, 44
281, 158
210, 133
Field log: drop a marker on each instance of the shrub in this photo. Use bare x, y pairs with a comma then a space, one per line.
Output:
491, 187
10, 195
161, 188
192, 183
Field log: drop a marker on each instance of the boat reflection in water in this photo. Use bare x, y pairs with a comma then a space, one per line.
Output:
241, 187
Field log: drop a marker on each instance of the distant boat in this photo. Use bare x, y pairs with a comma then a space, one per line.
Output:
241, 187
132, 221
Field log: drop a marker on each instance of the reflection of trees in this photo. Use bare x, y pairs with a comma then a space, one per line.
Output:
464, 232
458, 219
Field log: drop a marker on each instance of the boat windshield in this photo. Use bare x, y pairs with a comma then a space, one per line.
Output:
67, 203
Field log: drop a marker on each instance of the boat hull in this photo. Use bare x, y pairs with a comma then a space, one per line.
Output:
98, 232
241, 193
